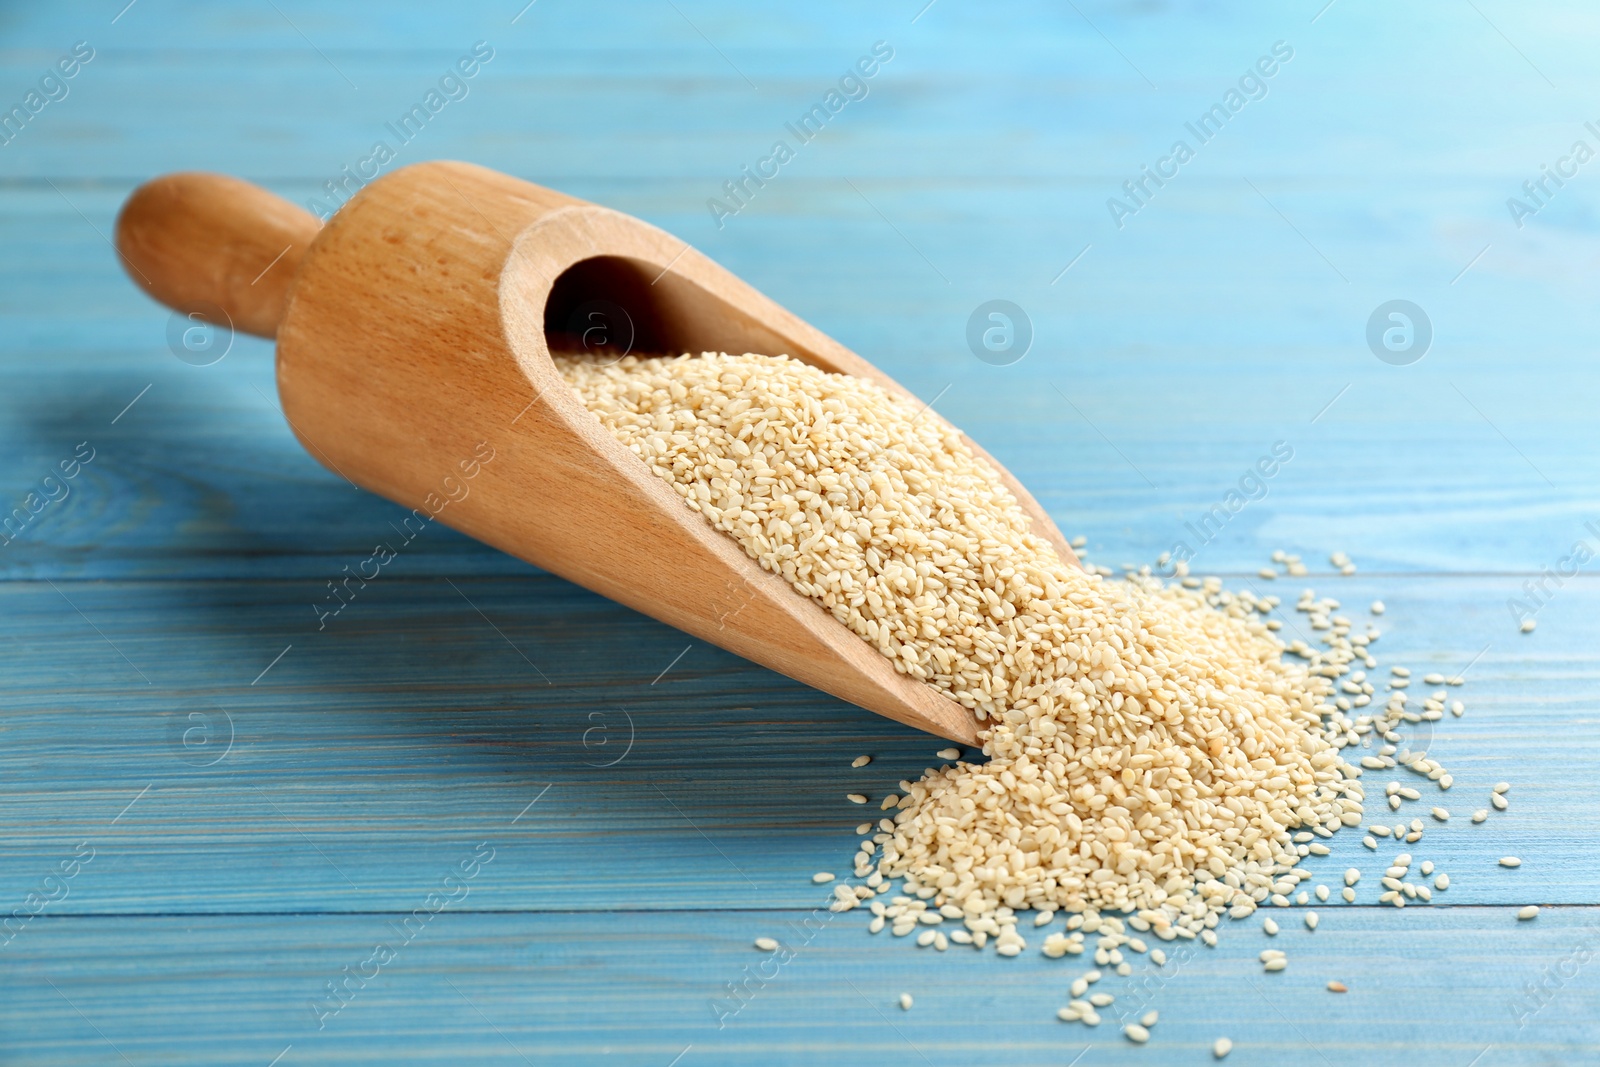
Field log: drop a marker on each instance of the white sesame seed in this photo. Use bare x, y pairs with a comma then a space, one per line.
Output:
878, 511
1498, 801
821, 876
1149, 1018
861, 761
766, 944
1502, 787
1348, 894
905, 1002
1529, 912
1270, 928
1136, 1033
948, 753
1311, 920
1101, 1000
1528, 625
1275, 965
1510, 861
1441, 814
1322, 893
1377, 607
1221, 1047
1480, 815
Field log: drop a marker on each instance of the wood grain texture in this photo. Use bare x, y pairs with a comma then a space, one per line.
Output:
216, 246
377, 752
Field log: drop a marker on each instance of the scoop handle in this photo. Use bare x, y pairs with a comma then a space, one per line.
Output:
197, 241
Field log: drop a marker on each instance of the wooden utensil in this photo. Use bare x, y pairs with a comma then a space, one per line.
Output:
414, 336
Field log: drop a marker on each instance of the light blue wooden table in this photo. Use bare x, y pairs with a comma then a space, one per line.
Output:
210, 810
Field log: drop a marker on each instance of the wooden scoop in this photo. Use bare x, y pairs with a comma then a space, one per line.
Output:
414, 337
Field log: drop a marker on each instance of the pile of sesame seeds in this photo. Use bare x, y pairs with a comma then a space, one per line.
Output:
1157, 758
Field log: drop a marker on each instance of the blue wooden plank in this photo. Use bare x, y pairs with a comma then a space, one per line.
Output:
648, 987
1445, 468
374, 749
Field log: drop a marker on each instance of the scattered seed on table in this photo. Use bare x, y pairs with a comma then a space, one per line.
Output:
1480, 815
1275, 964
1498, 801
1221, 1047
1322, 893
1441, 814
1148, 1019
1102, 1000
1270, 928
1348, 894
905, 1001
1502, 787
1311, 920
1442, 882
1433, 679
1370, 841
1528, 912
861, 761
948, 753
1377, 607
1427, 867
856, 798
1136, 1033
1528, 625
1510, 861
821, 877
1158, 957
1338, 987
1079, 987
766, 944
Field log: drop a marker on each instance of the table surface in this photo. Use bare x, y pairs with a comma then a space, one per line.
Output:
211, 810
